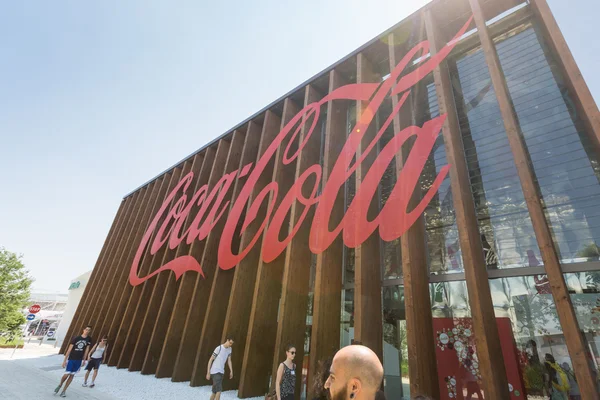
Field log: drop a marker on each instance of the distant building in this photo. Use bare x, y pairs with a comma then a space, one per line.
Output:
52, 305
76, 288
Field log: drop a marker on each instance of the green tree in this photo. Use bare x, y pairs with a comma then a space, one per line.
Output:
15, 283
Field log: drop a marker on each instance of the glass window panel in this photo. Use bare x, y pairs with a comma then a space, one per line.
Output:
443, 246
395, 346
347, 322
563, 159
505, 227
457, 361
585, 295
391, 252
528, 303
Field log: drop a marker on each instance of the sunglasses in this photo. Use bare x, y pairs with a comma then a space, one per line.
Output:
292, 352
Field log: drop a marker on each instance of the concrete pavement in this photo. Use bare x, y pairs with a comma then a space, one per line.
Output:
22, 381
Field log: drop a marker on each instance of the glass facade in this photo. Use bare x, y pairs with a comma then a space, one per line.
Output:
567, 172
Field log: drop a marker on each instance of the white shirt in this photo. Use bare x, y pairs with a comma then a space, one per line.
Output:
221, 355
99, 352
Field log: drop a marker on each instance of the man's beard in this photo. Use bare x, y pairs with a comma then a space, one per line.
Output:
342, 395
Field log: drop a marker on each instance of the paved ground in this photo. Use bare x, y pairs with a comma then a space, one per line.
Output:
21, 381
33, 373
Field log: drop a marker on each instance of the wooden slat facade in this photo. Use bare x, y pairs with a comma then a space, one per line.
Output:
168, 325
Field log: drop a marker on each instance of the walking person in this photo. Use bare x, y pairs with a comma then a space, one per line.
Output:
94, 360
285, 385
216, 367
74, 357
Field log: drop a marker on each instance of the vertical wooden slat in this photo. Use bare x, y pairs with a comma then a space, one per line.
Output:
368, 319
291, 326
422, 367
262, 326
119, 302
185, 293
327, 300
215, 172
105, 291
140, 353
485, 329
194, 317
120, 324
121, 271
212, 327
240, 300
564, 307
95, 275
136, 312
588, 110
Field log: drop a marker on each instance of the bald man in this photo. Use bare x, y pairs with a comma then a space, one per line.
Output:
356, 373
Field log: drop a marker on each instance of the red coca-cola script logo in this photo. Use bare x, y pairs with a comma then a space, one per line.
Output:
392, 221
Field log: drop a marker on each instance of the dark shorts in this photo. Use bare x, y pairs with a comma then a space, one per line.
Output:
73, 366
217, 380
287, 397
94, 363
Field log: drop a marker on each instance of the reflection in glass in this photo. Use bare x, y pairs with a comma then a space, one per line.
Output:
457, 359
585, 295
347, 322
537, 332
564, 161
395, 347
506, 232
444, 254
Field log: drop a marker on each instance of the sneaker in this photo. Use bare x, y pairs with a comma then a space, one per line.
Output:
56, 390
63, 394
92, 385
84, 384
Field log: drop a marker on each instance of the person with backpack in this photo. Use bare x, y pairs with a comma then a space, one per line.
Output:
285, 385
557, 381
216, 367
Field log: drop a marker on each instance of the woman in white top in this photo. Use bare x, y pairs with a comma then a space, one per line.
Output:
95, 359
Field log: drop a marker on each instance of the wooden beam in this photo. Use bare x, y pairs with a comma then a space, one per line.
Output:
229, 158
291, 326
564, 308
210, 175
327, 300
96, 272
215, 172
262, 327
135, 313
240, 300
126, 359
485, 328
212, 327
368, 318
588, 110
422, 366
97, 314
199, 290
123, 316
193, 318
142, 351
118, 302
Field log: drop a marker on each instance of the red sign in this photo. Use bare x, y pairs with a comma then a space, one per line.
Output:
457, 362
355, 228
34, 309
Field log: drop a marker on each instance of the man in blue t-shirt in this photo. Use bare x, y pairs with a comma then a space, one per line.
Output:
74, 358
